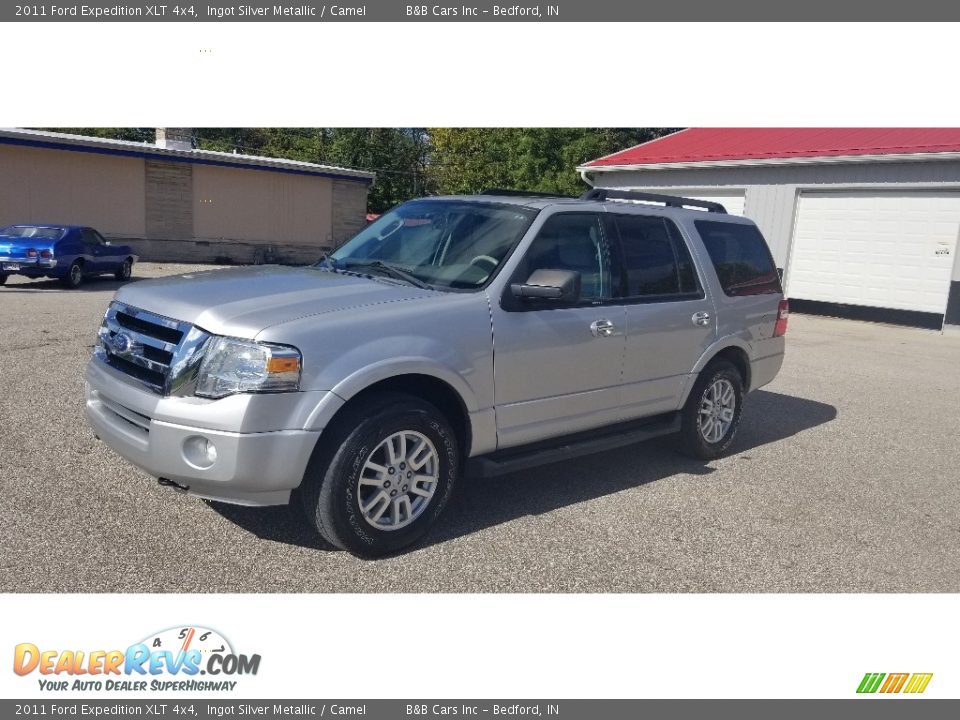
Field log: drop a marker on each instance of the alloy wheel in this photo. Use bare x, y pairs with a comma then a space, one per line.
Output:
398, 480
717, 410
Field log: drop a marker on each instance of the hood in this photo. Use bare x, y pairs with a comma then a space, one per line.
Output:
243, 302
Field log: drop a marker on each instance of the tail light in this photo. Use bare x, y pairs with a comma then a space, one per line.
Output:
783, 313
46, 254
31, 253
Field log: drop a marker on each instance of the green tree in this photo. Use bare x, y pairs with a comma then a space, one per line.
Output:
468, 160
397, 155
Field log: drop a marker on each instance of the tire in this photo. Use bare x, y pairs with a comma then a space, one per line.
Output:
125, 270
74, 277
341, 492
3, 279
717, 385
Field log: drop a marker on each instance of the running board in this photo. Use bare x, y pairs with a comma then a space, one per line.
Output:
572, 446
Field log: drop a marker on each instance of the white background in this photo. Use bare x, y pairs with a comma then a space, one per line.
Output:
282, 74
523, 646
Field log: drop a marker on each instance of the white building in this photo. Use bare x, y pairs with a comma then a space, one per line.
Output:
863, 221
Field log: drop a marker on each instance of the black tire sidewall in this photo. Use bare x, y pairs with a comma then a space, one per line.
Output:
125, 270
335, 503
68, 280
692, 439
3, 279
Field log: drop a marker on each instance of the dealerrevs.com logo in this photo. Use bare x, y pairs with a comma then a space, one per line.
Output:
173, 659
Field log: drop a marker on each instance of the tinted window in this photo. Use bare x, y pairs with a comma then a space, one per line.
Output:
656, 261
90, 237
573, 241
741, 258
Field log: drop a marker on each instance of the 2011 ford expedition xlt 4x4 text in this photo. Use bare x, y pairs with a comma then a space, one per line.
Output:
460, 335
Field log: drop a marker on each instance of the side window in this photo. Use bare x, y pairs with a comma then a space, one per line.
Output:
656, 260
741, 257
573, 241
90, 237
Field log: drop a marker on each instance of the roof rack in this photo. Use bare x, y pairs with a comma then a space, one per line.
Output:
668, 200
521, 193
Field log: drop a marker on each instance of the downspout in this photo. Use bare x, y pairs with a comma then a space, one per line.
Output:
586, 178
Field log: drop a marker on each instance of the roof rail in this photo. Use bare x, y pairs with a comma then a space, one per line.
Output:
521, 193
601, 194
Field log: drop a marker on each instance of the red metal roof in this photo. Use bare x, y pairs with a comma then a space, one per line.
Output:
727, 144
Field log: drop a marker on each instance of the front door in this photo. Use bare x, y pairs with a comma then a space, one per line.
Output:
557, 367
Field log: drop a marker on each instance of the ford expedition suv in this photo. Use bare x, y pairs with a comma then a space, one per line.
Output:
454, 336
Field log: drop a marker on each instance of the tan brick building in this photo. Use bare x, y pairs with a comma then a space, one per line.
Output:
175, 203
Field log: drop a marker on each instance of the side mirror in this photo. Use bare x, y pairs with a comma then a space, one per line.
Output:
561, 285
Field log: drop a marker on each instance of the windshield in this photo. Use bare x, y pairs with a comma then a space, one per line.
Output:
442, 243
25, 231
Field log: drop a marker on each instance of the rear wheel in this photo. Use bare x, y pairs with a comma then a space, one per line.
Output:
711, 416
125, 270
3, 279
74, 277
381, 475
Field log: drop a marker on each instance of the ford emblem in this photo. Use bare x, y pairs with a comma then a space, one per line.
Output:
121, 343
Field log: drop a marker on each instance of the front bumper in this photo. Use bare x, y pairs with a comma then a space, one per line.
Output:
251, 468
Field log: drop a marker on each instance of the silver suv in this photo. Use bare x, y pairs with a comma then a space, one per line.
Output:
470, 335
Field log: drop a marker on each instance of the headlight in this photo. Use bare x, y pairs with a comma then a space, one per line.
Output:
237, 366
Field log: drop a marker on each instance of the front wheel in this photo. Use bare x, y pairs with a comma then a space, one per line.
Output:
382, 475
711, 416
125, 270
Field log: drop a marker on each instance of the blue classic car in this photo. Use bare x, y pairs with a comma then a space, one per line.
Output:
66, 252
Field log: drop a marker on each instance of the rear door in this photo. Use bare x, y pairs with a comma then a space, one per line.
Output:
558, 367
670, 319
750, 284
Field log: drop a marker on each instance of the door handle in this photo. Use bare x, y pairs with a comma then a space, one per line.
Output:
602, 328
701, 318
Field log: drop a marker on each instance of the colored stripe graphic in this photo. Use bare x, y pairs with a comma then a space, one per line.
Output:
894, 682
918, 683
870, 682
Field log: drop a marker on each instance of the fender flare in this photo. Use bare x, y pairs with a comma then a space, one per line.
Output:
718, 346
361, 379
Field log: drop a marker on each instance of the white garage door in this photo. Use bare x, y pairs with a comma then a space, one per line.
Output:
880, 250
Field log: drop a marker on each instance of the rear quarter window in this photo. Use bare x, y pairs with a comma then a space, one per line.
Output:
741, 258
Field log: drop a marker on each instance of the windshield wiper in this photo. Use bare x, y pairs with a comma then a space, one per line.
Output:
392, 271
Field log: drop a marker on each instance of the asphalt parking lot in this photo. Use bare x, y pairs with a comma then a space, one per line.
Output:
843, 478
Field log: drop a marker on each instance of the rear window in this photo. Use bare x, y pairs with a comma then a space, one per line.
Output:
27, 231
741, 258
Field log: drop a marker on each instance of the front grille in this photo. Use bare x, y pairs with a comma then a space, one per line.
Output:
154, 378
149, 348
171, 335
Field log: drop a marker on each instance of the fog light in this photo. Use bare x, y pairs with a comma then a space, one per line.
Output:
199, 452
